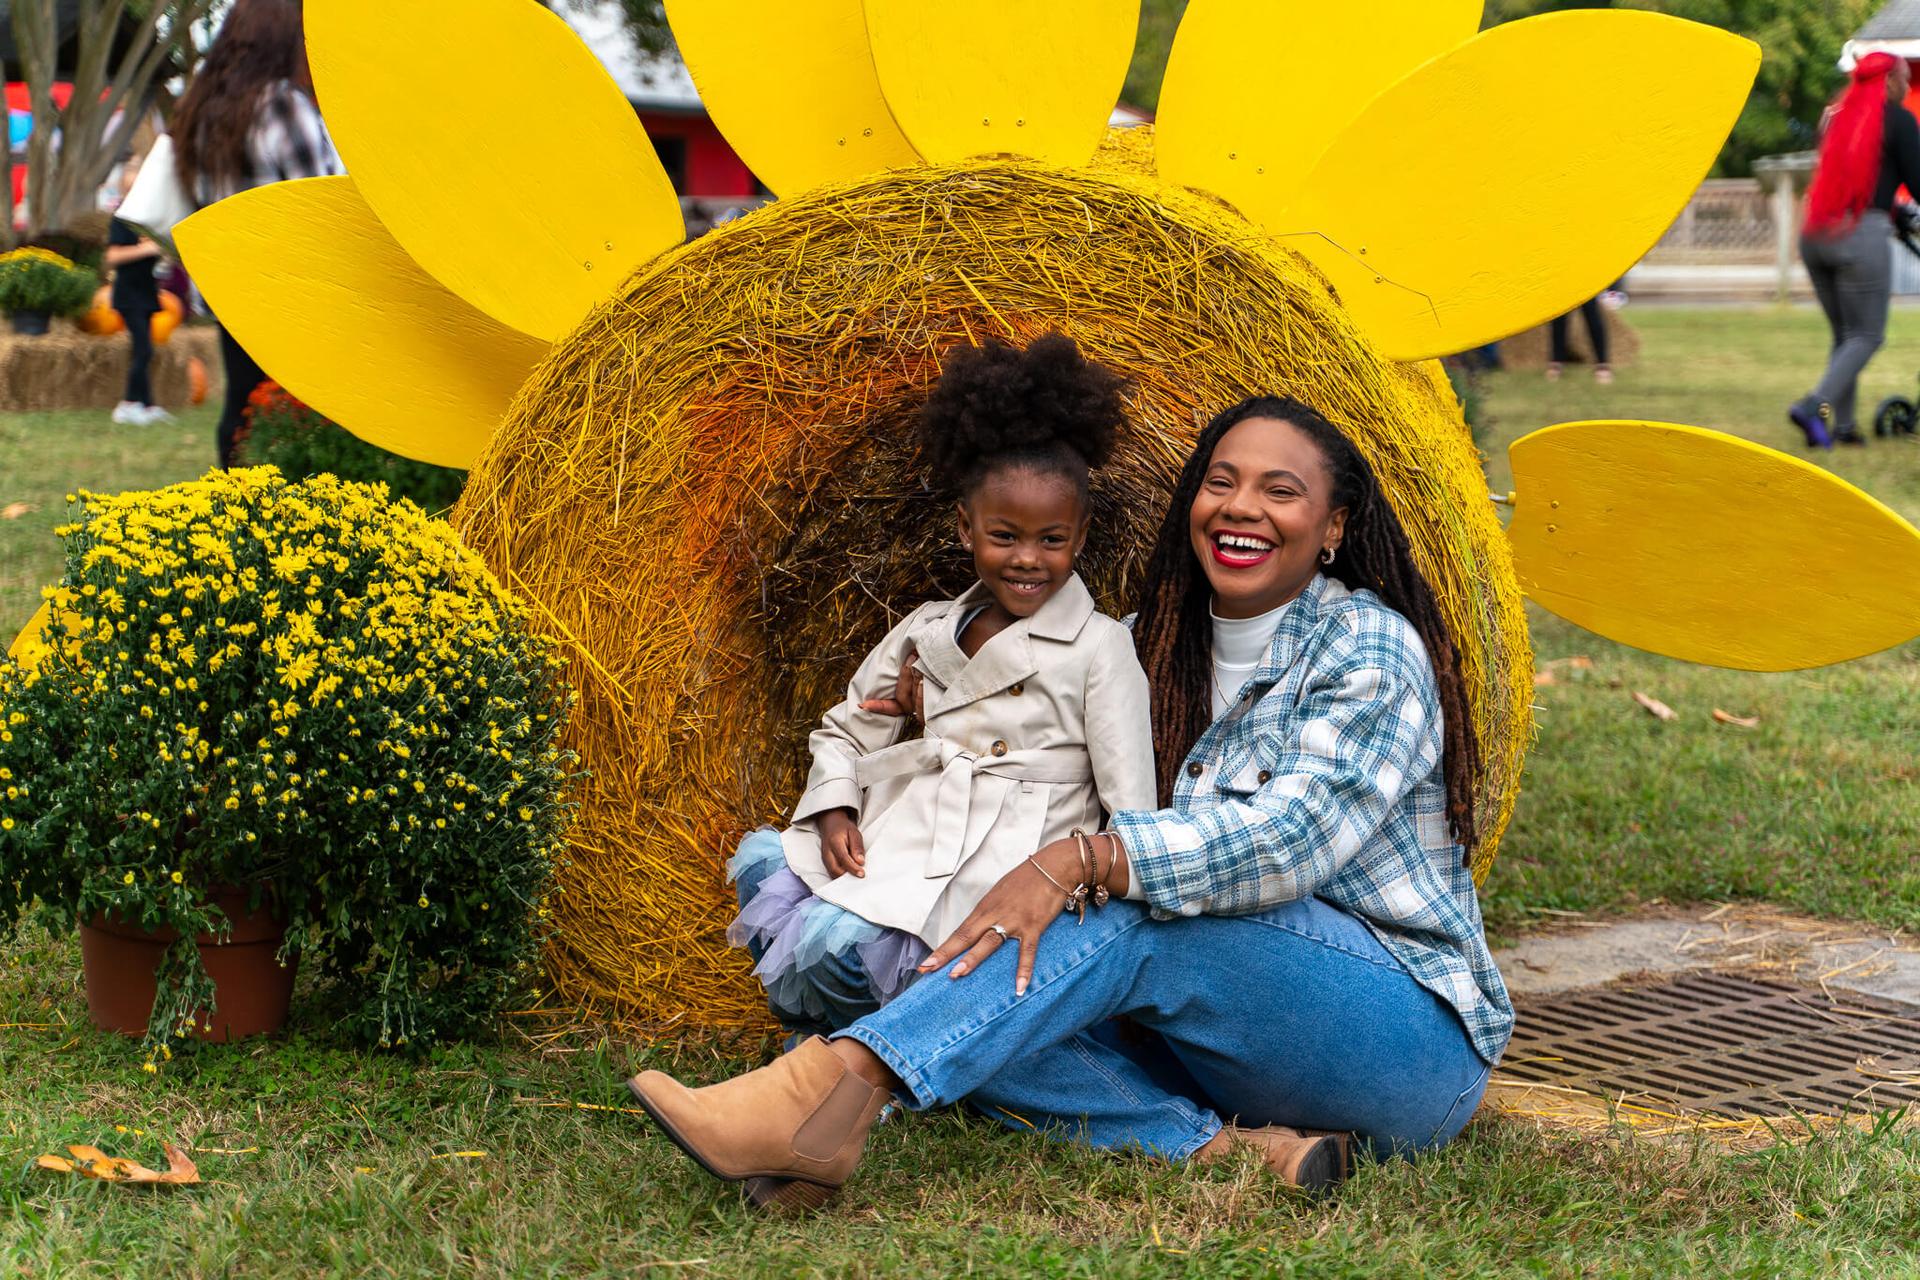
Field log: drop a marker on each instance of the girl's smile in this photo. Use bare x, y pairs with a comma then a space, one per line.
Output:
1024, 527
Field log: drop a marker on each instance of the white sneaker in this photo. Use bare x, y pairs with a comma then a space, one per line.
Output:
129, 413
154, 416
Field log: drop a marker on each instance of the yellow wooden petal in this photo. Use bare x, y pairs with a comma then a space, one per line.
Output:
311, 284
1255, 90
496, 150
31, 645
1003, 77
792, 86
1706, 547
27, 647
1515, 177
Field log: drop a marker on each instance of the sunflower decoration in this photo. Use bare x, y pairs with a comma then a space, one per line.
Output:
693, 460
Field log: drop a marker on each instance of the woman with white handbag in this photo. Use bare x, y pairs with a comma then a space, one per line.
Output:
247, 119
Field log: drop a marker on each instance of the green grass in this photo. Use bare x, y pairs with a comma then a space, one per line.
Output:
1815, 809
49, 455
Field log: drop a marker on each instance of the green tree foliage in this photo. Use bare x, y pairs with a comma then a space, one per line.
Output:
1799, 69
646, 19
1159, 19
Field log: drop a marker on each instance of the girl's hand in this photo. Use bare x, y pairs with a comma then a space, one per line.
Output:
909, 693
841, 848
1023, 904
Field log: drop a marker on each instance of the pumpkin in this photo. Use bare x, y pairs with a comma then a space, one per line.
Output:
101, 319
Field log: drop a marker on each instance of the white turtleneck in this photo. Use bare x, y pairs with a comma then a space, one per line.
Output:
1239, 646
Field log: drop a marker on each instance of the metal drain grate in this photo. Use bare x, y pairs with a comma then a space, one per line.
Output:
1718, 1042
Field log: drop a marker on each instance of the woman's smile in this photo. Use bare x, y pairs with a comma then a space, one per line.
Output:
1263, 517
1237, 550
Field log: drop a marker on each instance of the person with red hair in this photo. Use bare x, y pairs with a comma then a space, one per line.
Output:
1869, 149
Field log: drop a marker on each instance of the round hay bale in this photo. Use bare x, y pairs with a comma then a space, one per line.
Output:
708, 492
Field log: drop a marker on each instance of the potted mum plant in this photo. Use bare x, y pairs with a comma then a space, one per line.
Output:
37, 284
269, 721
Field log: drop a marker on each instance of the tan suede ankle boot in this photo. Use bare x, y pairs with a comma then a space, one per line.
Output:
792, 1131
1313, 1162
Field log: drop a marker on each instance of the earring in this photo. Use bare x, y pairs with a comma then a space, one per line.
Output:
1326, 555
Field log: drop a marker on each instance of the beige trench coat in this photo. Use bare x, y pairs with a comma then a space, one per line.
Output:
1038, 733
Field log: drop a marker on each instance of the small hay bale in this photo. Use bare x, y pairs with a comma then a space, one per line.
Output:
708, 493
68, 369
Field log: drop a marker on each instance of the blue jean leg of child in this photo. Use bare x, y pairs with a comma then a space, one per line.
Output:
1296, 1016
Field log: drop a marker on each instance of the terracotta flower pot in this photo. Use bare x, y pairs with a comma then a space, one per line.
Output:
251, 988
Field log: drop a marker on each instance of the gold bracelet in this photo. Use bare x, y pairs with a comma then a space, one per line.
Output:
1050, 880
1101, 894
1085, 887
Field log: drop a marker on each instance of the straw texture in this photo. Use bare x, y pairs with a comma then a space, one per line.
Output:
708, 494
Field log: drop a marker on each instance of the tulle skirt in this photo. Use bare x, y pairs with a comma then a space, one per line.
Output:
818, 961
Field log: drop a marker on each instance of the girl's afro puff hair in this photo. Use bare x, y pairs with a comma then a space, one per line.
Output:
1046, 406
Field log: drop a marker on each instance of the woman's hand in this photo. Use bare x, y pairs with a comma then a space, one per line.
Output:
841, 848
1024, 903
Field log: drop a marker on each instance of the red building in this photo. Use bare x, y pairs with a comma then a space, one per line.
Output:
711, 179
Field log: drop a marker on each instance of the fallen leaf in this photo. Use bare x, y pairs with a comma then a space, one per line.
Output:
95, 1163
91, 1162
1580, 662
461, 1155
1739, 722
1654, 706
1543, 677
14, 510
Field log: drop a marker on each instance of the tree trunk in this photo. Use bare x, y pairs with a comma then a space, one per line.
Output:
35, 34
107, 101
8, 74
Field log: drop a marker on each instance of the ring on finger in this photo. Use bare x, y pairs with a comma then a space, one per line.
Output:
1004, 935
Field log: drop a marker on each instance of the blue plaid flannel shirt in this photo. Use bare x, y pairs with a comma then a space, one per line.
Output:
1324, 779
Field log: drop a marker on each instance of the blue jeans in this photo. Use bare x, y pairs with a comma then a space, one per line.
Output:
1295, 1016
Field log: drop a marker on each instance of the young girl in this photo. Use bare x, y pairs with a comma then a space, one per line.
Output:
1037, 715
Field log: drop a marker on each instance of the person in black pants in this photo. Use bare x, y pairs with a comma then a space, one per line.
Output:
244, 376
133, 258
1562, 332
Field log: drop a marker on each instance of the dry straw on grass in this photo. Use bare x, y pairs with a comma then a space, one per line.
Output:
707, 492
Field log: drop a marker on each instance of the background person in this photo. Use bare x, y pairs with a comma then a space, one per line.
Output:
248, 119
1560, 336
1869, 149
136, 297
